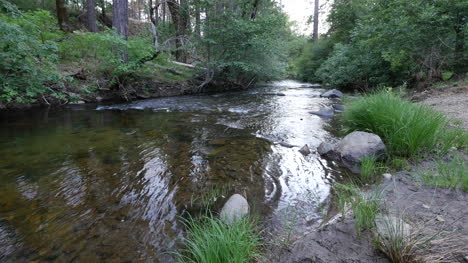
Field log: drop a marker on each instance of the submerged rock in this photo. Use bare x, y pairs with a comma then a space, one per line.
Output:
324, 113
305, 150
334, 93
338, 107
234, 209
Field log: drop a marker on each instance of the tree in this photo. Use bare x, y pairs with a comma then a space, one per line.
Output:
62, 16
316, 21
92, 26
120, 17
180, 18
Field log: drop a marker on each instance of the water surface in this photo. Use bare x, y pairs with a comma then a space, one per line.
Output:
110, 183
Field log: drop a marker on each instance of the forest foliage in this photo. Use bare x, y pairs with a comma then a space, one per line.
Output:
241, 42
387, 43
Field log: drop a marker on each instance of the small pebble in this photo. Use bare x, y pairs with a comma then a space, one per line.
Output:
425, 206
440, 219
387, 176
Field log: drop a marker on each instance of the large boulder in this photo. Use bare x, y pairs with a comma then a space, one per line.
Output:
356, 145
234, 209
324, 113
352, 148
334, 93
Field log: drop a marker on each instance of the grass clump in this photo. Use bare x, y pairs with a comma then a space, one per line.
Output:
369, 168
451, 174
365, 205
406, 128
210, 240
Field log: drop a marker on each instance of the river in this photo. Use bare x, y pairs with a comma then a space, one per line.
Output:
111, 183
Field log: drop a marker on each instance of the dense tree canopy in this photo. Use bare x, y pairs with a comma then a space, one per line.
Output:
389, 42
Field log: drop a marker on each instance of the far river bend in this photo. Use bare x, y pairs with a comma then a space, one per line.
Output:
92, 183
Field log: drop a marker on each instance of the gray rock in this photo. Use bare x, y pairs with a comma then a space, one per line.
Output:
78, 102
305, 150
324, 113
99, 98
388, 226
287, 145
339, 107
234, 209
356, 145
387, 176
325, 148
334, 93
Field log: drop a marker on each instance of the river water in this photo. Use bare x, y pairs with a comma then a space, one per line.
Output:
111, 183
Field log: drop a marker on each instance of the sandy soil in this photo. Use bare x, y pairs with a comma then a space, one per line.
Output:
451, 100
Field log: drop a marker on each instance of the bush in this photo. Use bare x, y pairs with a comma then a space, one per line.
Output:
406, 128
313, 55
210, 240
28, 56
350, 66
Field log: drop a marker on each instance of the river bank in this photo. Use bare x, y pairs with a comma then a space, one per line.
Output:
434, 217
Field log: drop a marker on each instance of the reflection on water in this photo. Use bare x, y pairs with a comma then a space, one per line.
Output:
109, 183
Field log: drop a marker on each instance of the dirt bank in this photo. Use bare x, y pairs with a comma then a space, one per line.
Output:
449, 99
442, 213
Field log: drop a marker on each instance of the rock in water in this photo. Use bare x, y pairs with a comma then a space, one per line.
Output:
305, 150
334, 93
339, 107
356, 145
234, 209
325, 148
324, 113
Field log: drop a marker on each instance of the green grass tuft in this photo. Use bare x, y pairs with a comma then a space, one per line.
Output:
210, 240
365, 205
452, 174
406, 128
369, 168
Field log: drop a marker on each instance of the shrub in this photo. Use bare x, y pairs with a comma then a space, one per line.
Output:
210, 240
406, 128
27, 57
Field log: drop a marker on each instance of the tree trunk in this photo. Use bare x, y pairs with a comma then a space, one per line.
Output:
197, 21
120, 22
316, 21
120, 17
92, 26
180, 24
460, 57
62, 16
154, 18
